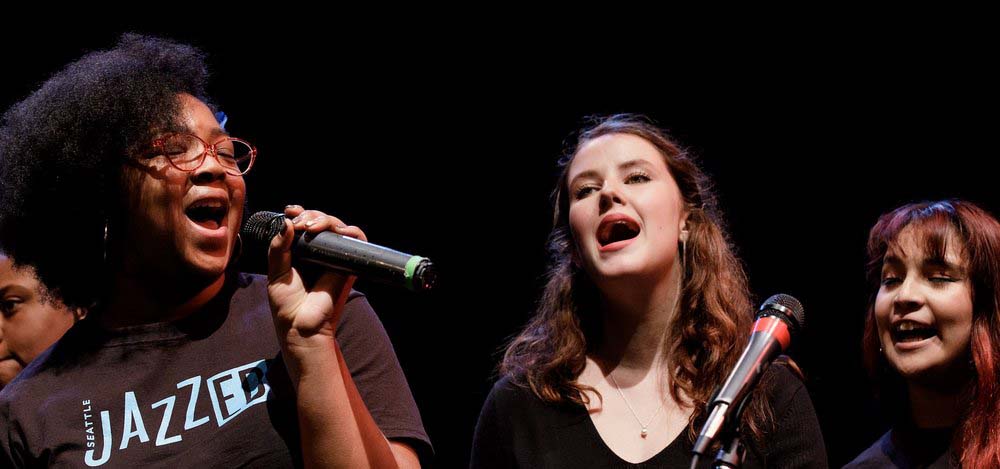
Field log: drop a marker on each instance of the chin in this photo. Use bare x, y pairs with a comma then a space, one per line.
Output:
910, 371
624, 269
933, 373
206, 265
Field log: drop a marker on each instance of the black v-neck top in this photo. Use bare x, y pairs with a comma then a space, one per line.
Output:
516, 429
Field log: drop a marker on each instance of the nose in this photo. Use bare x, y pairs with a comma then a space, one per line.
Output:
210, 170
610, 196
909, 296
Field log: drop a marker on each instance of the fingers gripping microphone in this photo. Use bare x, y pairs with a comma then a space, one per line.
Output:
335, 252
778, 318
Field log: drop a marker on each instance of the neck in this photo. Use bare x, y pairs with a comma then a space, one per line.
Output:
635, 321
934, 407
135, 300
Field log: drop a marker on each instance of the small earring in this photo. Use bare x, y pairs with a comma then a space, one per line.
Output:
105, 244
684, 252
684, 241
238, 252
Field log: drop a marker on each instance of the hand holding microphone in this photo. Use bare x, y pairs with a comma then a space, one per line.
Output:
333, 251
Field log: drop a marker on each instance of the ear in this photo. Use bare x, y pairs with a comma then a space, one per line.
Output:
78, 314
683, 227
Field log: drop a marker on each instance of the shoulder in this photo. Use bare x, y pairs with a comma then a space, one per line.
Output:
499, 425
511, 408
873, 457
514, 401
793, 434
783, 385
360, 332
77, 342
507, 401
358, 312
21, 401
506, 392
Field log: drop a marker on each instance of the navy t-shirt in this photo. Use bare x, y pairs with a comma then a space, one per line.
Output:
908, 447
210, 390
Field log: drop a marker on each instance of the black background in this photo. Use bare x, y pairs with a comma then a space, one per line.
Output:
440, 139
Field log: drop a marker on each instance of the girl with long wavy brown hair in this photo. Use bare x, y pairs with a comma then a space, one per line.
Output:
645, 312
932, 335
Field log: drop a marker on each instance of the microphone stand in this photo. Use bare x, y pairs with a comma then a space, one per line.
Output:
732, 451
730, 455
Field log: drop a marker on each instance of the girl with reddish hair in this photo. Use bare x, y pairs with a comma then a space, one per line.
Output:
645, 312
932, 335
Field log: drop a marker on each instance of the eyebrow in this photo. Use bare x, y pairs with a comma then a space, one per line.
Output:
590, 173
944, 263
218, 132
633, 163
15, 288
891, 259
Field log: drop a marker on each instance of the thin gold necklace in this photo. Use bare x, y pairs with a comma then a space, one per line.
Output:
645, 428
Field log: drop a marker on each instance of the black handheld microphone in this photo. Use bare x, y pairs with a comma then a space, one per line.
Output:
778, 318
332, 251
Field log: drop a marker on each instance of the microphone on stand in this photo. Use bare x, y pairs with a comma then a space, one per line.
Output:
778, 318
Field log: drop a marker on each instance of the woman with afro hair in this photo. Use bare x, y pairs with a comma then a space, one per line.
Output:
125, 193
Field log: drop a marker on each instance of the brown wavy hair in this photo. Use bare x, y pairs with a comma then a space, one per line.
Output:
977, 443
706, 334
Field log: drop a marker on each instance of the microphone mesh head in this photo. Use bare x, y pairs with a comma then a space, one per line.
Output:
787, 306
256, 235
262, 226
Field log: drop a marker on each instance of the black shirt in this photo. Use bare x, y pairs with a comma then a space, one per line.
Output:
516, 429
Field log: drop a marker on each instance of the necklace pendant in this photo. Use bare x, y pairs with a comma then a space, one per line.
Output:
644, 432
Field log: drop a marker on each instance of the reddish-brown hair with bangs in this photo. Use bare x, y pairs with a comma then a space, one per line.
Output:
977, 442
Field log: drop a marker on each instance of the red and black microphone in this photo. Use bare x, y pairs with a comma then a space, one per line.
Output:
780, 317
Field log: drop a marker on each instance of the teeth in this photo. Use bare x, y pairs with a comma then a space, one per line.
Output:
910, 326
207, 203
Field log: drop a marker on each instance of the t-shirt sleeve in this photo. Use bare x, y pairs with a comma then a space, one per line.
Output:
797, 441
10, 441
491, 442
378, 376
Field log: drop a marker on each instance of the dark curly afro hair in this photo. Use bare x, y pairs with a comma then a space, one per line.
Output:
62, 149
